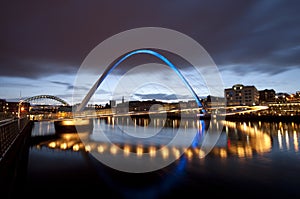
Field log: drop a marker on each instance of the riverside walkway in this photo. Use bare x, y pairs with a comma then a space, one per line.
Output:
14, 139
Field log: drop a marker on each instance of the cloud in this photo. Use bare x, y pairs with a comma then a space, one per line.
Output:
70, 86
5, 84
160, 96
266, 39
41, 39
61, 83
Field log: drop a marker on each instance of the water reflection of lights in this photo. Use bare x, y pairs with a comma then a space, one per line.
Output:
126, 150
76, 147
67, 141
223, 153
87, 148
113, 150
279, 139
284, 135
152, 151
176, 152
296, 143
52, 144
287, 142
72, 142
256, 142
63, 145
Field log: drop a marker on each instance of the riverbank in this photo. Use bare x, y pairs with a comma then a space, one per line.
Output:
263, 118
14, 162
237, 118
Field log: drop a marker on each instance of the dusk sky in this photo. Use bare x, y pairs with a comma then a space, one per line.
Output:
43, 43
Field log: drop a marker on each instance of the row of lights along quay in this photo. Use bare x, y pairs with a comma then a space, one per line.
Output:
239, 100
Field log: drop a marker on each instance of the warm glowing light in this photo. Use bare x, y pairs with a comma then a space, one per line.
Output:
287, 142
165, 152
100, 149
76, 147
113, 149
126, 150
80, 122
52, 144
279, 139
73, 122
67, 136
189, 153
176, 152
223, 153
248, 151
240, 151
245, 126
63, 145
152, 151
139, 151
201, 154
260, 142
88, 148
67, 122
296, 144
246, 109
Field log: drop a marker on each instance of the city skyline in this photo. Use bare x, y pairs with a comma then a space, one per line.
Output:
148, 98
252, 43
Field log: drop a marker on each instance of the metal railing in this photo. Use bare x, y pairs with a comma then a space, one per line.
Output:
9, 132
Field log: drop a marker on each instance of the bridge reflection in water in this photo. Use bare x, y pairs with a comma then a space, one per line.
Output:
237, 139
252, 159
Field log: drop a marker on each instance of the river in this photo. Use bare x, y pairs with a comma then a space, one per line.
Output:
141, 159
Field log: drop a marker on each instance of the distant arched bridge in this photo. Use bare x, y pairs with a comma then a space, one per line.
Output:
47, 97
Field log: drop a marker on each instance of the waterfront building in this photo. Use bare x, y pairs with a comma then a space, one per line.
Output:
266, 96
213, 101
13, 108
2, 105
136, 106
283, 109
242, 95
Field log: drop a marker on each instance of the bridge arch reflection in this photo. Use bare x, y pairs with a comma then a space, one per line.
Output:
252, 140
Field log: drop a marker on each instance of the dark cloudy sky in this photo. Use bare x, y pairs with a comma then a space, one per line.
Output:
43, 42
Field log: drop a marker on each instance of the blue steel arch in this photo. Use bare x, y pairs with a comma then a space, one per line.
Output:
108, 70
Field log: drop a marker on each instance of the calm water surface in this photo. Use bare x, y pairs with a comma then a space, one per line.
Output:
249, 160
